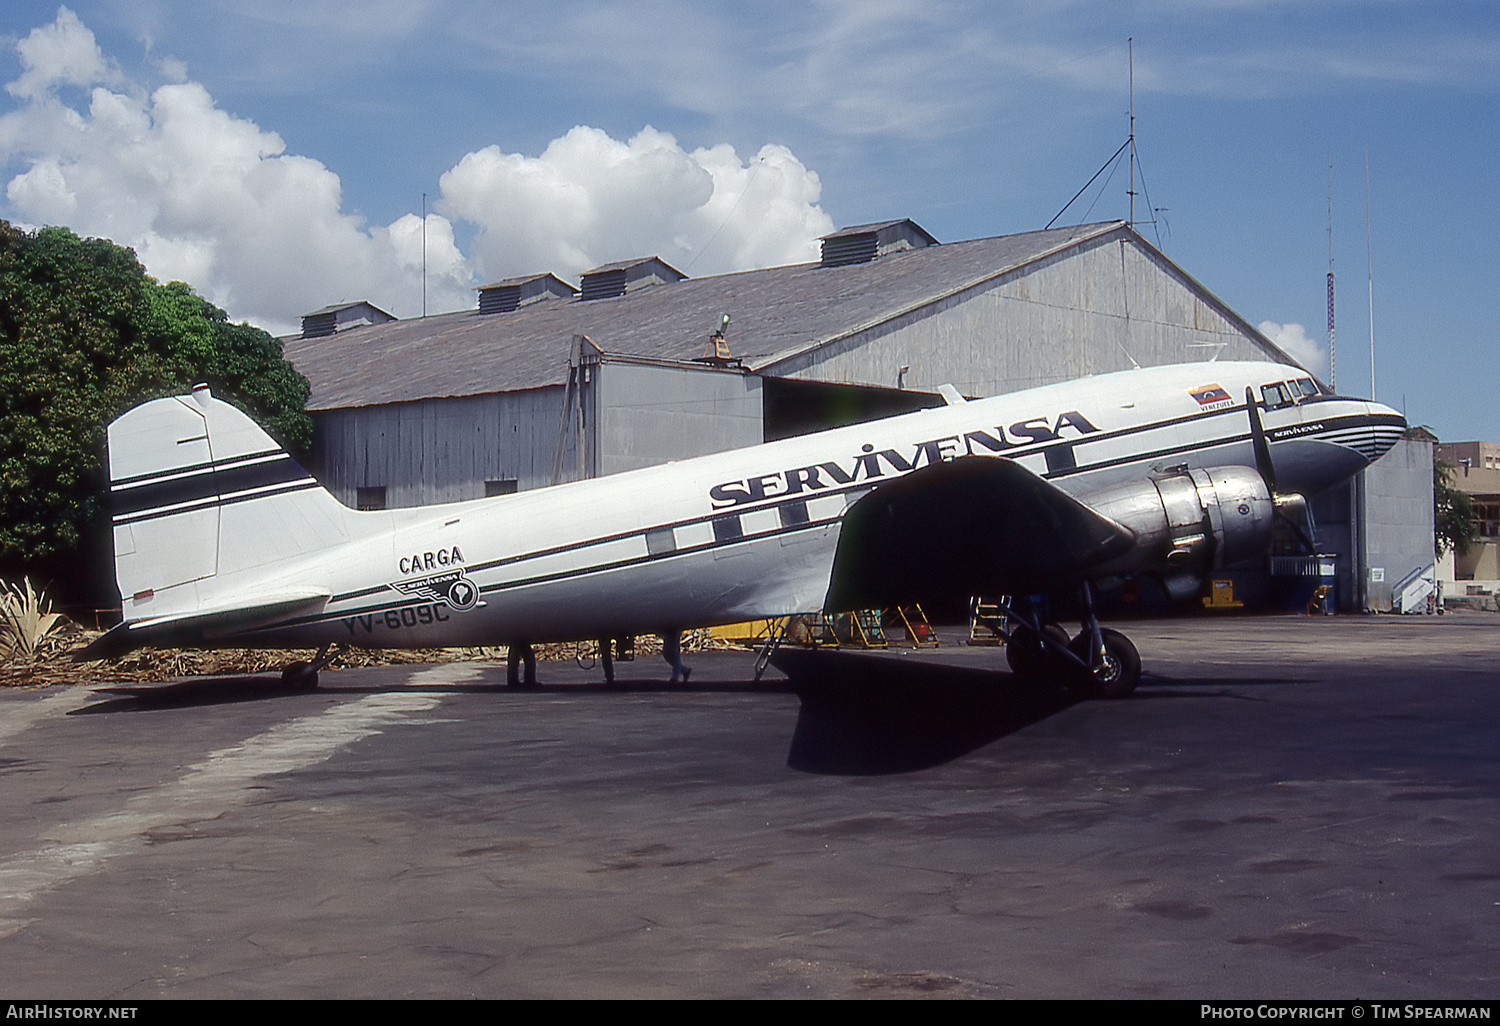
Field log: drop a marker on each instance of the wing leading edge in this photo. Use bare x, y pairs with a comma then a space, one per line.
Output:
970, 526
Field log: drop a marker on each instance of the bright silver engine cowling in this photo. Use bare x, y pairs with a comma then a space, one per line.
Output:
1189, 523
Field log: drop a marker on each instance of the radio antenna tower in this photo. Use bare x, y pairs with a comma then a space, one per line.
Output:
1127, 149
1130, 42
1332, 358
1370, 270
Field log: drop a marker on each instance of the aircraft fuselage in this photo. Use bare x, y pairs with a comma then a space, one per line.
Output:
752, 533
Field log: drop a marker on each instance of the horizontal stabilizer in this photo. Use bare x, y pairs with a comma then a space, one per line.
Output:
970, 526
193, 628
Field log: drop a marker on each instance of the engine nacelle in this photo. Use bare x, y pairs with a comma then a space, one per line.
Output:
1189, 523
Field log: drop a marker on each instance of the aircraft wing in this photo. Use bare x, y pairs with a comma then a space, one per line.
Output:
970, 526
191, 628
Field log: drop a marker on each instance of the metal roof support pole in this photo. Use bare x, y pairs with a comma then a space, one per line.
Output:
570, 393
581, 470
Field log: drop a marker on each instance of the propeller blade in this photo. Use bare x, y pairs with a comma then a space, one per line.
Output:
1258, 442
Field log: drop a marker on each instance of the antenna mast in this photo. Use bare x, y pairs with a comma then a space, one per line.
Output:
1370, 270
424, 254
1111, 166
1332, 358
1130, 41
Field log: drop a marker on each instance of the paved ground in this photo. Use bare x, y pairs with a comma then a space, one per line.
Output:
1288, 807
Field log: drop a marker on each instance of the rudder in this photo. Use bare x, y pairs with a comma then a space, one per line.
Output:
199, 494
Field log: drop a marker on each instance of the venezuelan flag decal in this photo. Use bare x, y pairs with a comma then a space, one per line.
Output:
1206, 394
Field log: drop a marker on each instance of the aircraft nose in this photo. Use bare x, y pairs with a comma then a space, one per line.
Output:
1384, 427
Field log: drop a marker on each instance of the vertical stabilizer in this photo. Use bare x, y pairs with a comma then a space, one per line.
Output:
198, 494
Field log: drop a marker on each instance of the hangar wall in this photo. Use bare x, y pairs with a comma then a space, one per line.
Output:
1087, 311
634, 413
1334, 515
1397, 541
439, 450
645, 413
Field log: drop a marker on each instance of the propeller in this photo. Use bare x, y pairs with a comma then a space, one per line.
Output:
1267, 472
1258, 442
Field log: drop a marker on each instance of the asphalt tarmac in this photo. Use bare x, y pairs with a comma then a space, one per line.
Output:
1287, 808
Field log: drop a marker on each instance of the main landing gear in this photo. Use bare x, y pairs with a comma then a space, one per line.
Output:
521, 657
304, 676
1098, 663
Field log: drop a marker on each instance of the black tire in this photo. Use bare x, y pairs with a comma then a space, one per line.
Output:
1121, 671
1029, 657
297, 675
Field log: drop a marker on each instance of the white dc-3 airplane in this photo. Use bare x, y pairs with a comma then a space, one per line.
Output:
221, 539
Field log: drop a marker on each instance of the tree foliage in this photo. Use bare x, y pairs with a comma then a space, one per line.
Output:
85, 334
1453, 514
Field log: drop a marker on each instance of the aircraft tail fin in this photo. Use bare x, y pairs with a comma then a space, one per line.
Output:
199, 494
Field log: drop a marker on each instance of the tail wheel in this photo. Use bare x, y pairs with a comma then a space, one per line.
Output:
300, 676
1117, 673
1029, 656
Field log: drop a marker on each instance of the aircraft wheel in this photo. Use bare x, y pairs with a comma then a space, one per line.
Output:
1121, 670
300, 677
1026, 654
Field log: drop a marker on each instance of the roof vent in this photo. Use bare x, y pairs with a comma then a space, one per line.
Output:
622, 276
514, 293
341, 317
863, 243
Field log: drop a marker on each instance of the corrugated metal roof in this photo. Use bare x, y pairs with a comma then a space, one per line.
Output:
777, 312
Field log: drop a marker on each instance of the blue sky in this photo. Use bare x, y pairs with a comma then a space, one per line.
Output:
274, 153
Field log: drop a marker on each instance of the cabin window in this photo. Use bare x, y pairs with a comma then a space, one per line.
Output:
370, 498
502, 487
659, 541
728, 529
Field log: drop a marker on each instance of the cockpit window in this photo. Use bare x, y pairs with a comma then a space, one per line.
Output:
1308, 386
1275, 396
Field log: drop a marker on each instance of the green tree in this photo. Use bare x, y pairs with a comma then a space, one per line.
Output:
86, 334
1452, 513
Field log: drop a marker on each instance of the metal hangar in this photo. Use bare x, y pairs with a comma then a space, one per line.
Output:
544, 382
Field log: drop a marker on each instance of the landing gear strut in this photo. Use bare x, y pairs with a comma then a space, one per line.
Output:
304, 676
1098, 663
521, 656
1113, 665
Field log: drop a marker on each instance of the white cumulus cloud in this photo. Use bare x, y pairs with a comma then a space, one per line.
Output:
201, 195
61, 53
589, 199
1293, 340
213, 199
